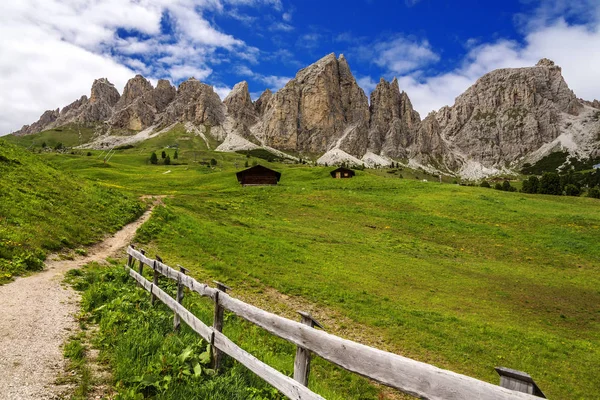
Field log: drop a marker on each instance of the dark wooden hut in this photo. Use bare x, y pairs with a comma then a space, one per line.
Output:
341, 173
258, 175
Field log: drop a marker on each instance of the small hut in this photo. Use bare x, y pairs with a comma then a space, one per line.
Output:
258, 175
341, 173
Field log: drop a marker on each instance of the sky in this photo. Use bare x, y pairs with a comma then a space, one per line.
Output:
52, 50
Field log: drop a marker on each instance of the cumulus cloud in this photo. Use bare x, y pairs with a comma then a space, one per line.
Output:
53, 49
573, 47
273, 82
399, 55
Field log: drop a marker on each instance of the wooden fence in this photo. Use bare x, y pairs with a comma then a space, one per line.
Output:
409, 376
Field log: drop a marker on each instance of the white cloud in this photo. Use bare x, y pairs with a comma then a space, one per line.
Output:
53, 49
399, 55
366, 83
222, 91
274, 82
287, 16
44, 72
572, 46
281, 26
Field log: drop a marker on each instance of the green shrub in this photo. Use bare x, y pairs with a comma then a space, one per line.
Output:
168, 160
572, 190
153, 158
550, 184
531, 185
485, 184
163, 155
594, 192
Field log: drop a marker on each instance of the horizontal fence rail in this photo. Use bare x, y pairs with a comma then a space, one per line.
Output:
413, 377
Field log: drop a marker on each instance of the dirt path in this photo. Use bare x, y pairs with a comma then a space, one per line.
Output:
36, 317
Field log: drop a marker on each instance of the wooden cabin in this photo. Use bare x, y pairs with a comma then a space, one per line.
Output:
341, 173
258, 175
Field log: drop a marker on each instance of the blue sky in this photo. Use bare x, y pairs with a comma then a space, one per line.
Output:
53, 49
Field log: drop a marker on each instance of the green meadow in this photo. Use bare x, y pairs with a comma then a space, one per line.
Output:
465, 278
45, 210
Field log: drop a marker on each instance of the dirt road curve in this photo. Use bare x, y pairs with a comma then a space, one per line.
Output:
36, 316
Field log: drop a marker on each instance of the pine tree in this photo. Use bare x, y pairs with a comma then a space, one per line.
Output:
167, 160
176, 155
153, 158
163, 155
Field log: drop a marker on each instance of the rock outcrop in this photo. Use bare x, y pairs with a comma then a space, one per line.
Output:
394, 123
241, 109
194, 102
507, 114
321, 108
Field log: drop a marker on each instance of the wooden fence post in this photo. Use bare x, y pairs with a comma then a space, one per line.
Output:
141, 267
155, 279
302, 360
218, 323
130, 257
176, 319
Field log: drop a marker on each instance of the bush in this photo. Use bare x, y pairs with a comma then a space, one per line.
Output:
531, 185
176, 155
594, 192
59, 146
485, 184
572, 190
153, 158
550, 184
213, 162
163, 155
507, 187
498, 186
168, 160
89, 153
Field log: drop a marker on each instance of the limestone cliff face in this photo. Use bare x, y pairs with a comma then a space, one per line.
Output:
508, 113
261, 103
46, 120
320, 108
394, 123
140, 104
195, 102
241, 109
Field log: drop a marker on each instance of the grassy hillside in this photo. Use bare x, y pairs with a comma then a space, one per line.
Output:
45, 210
465, 278
69, 135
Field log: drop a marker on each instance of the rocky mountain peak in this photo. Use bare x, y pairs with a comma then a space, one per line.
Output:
194, 102
261, 103
545, 62
135, 88
104, 91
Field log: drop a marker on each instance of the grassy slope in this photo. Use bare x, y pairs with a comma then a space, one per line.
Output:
69, 135
465, 278
43, 209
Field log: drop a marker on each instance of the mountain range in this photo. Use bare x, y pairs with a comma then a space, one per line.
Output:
508, 118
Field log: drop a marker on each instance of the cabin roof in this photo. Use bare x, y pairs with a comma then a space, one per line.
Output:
342, 169
258, 170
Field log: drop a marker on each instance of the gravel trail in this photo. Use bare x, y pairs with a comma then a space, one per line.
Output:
37, 316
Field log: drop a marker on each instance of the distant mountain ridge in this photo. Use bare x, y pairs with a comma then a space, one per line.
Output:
507, 118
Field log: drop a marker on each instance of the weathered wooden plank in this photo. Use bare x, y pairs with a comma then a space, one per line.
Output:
281, 382
189, 282
409, 376
189, 318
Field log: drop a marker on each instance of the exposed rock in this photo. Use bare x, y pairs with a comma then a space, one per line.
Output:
394, 122
261, 103
507, 114
195, 102
45, 122
135, 109
99, 108
240, 108
163, 95
317, 110
134, 89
